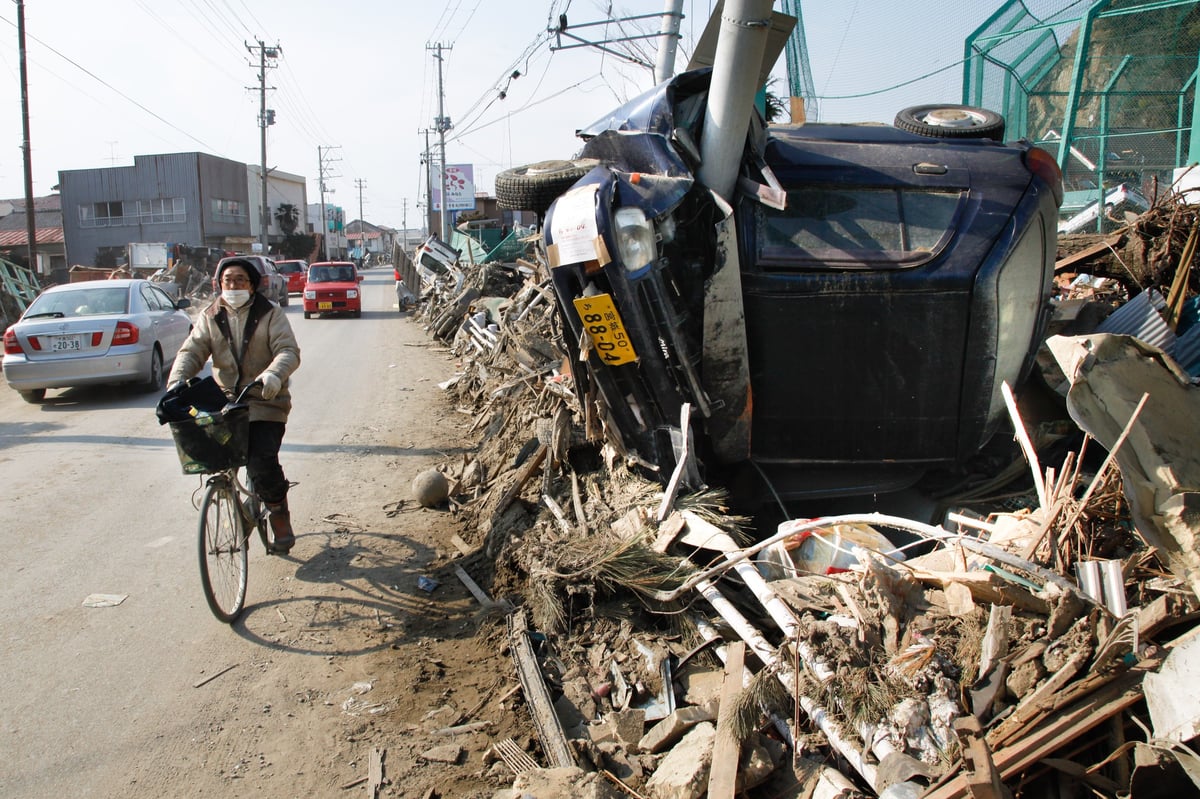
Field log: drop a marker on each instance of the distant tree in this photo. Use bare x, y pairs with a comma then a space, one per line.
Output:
288, 217
298, 245
776, 108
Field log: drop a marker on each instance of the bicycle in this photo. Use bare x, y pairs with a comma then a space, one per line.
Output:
215, 443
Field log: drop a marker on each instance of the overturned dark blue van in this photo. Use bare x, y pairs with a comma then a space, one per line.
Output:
842, 326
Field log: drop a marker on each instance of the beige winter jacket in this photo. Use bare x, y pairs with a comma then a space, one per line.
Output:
272, 347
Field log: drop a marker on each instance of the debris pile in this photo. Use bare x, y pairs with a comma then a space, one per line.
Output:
1038, 631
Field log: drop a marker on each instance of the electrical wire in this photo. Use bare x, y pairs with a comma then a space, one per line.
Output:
115, 90
150, 12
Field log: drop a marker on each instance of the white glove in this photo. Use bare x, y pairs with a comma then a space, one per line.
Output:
270, 385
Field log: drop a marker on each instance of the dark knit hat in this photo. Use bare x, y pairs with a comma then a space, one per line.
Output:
245, 263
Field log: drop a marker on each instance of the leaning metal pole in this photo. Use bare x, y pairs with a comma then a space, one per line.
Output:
664, 66
740, 48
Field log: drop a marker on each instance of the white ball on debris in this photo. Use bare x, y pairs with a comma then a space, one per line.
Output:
430, 488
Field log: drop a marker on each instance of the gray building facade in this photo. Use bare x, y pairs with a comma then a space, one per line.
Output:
189, 199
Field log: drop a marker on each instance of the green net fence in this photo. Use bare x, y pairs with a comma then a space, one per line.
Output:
1109, 87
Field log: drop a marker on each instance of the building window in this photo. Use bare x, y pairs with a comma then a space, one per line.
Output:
228, 210
134, 212
160, 211
106, 214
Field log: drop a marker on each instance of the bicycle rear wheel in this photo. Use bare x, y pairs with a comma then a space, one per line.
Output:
223, 551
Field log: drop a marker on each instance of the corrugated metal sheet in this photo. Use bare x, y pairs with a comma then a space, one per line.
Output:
1140, 318
1186, 351
42, 235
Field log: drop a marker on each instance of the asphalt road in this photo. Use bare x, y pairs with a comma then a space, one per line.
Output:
94, 502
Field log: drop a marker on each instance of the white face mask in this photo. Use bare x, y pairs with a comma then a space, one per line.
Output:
236, 297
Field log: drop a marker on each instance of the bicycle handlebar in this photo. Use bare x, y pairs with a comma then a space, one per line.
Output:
242, 395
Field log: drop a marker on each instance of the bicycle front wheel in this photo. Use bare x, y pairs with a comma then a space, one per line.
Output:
223, 551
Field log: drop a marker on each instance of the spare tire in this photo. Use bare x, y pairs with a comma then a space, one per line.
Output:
534, 187
951, 122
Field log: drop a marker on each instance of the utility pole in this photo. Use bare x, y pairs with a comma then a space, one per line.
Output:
30, 215
322, 173
266, 117
404, 217
362, 225
442, 124
428, 161
664, 66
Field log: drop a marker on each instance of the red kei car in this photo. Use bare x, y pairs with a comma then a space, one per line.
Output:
296, 272
332, 288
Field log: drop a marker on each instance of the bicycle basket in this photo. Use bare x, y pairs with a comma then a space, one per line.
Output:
221, 443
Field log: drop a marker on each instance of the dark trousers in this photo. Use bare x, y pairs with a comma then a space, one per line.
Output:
266, 475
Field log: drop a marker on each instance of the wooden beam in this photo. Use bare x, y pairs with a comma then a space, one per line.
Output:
1056, 732
1065, 264
722, 777
541, 708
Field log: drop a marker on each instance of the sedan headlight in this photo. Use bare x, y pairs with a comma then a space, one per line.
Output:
635, 238
351, 294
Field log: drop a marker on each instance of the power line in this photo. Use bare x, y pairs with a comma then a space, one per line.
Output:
122, 94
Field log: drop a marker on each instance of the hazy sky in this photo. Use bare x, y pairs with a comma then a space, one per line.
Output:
108, 80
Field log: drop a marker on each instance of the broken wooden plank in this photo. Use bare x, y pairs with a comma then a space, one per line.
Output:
1065, 264
988, 588
474, 588
1057, 731
462, 546
375, 772
541, 708
722, 777
983, 781
523, 476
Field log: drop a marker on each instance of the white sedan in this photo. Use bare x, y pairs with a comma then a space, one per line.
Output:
95, 332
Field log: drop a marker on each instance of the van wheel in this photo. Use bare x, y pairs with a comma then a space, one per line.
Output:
951, 122
307, 315
534, 187
284, 300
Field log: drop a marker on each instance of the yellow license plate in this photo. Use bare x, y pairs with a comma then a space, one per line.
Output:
325, 306
603, 323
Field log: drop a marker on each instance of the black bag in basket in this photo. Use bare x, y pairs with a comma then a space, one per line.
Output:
201, 393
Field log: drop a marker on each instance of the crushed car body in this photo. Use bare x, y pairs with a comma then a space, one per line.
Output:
844, 323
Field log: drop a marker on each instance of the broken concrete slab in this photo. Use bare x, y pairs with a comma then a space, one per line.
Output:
683, 773
664, 734
447, 753
555, 783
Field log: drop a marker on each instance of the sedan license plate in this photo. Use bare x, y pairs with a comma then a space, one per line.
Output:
65, 344
325, 306
603, 323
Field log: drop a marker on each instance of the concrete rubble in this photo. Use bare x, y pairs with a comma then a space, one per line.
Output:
1035, 632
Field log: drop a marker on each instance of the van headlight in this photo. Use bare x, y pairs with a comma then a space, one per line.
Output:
635, 238
351, 294
310, 294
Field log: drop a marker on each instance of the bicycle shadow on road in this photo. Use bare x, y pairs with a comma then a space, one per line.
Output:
372, 598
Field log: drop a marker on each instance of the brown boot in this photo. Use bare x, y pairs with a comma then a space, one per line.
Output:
281, 527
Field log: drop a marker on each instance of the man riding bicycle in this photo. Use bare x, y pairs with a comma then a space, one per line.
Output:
250, 339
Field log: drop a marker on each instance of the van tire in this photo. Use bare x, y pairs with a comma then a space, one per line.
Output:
945, 121
534, 187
